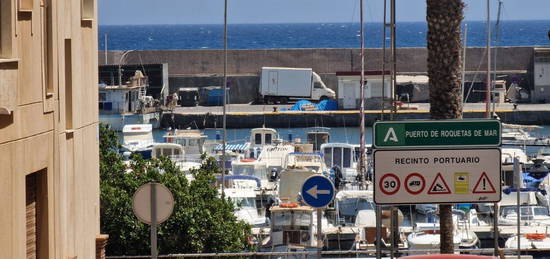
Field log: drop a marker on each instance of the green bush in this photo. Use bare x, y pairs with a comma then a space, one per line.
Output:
201, 222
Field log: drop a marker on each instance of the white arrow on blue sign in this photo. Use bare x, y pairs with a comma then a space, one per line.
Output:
317, 191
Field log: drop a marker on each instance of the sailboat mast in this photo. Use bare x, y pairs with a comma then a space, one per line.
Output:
497, 39
224, 87
362, 105
488, 87
464, 44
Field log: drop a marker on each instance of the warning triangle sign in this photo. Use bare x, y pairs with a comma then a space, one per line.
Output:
484, 185
439, 186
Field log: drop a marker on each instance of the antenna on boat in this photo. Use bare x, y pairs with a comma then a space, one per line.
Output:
224, 94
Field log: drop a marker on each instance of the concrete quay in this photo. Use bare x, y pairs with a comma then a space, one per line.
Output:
251, 116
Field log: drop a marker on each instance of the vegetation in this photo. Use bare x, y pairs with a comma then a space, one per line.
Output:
444, 65
200, 223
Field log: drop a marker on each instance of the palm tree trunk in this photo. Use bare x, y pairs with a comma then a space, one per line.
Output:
444, 65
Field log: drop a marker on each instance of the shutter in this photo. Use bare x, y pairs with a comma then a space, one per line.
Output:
30, 219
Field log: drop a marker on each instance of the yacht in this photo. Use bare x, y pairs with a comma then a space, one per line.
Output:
260, 137
341, 156
427, 235
241, 191
138, 138
308, 161
517, 135
176, 153
191, 140
293, 229
318, 136
529, 241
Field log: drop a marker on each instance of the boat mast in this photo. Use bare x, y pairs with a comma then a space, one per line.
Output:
224, 87
497, 39
362, 105
464, 64
488, 87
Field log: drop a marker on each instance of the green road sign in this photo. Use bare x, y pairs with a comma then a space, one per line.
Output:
436, 133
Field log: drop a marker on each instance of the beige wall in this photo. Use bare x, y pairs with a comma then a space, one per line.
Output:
44, 84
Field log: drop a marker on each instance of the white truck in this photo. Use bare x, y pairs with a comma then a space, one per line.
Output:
279, 84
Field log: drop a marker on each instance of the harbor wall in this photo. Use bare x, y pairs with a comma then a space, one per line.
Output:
331, 118
199, 68
210, 62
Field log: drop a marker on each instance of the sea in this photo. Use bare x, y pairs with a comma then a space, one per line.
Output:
307, 35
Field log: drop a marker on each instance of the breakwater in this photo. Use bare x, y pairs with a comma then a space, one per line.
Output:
330, 118
200, 68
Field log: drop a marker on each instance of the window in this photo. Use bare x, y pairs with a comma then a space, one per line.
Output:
257, 138
102, 97
268, 139
328, 156
317, 85
5, 29
68, 85
87, 10
347, 158
337, 156
25, 5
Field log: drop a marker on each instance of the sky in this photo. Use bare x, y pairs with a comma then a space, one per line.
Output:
123, 12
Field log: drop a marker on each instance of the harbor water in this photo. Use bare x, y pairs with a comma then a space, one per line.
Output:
338, 134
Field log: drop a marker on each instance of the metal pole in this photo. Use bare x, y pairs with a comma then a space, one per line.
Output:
383, 61
224, 94
154, 251
497, 24
488, 91
517, 173
394, 58
464, 63
105, 49
362, 102
495, 227
378, 239
319, 233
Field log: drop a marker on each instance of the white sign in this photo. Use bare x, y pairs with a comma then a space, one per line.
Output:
437, 176
141, 203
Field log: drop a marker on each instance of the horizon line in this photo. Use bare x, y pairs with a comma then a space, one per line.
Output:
271, 23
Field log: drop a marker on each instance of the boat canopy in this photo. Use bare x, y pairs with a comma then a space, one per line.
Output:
233, 147
240, 177
350, 194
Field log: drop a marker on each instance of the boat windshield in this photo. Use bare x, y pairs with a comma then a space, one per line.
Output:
291, 218
244, 202
526, 212
250, 170
349, 208
540, 211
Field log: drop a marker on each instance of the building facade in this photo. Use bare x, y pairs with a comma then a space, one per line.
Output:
49, 163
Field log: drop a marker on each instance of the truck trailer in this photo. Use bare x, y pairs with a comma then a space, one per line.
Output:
280, 84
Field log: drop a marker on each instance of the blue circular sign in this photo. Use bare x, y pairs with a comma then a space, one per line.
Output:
317, 191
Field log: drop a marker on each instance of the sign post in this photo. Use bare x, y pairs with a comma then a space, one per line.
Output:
318, 192
153, 204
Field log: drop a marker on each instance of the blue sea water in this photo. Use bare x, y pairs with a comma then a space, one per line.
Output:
305, 35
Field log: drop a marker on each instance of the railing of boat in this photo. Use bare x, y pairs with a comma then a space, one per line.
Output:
313, 253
